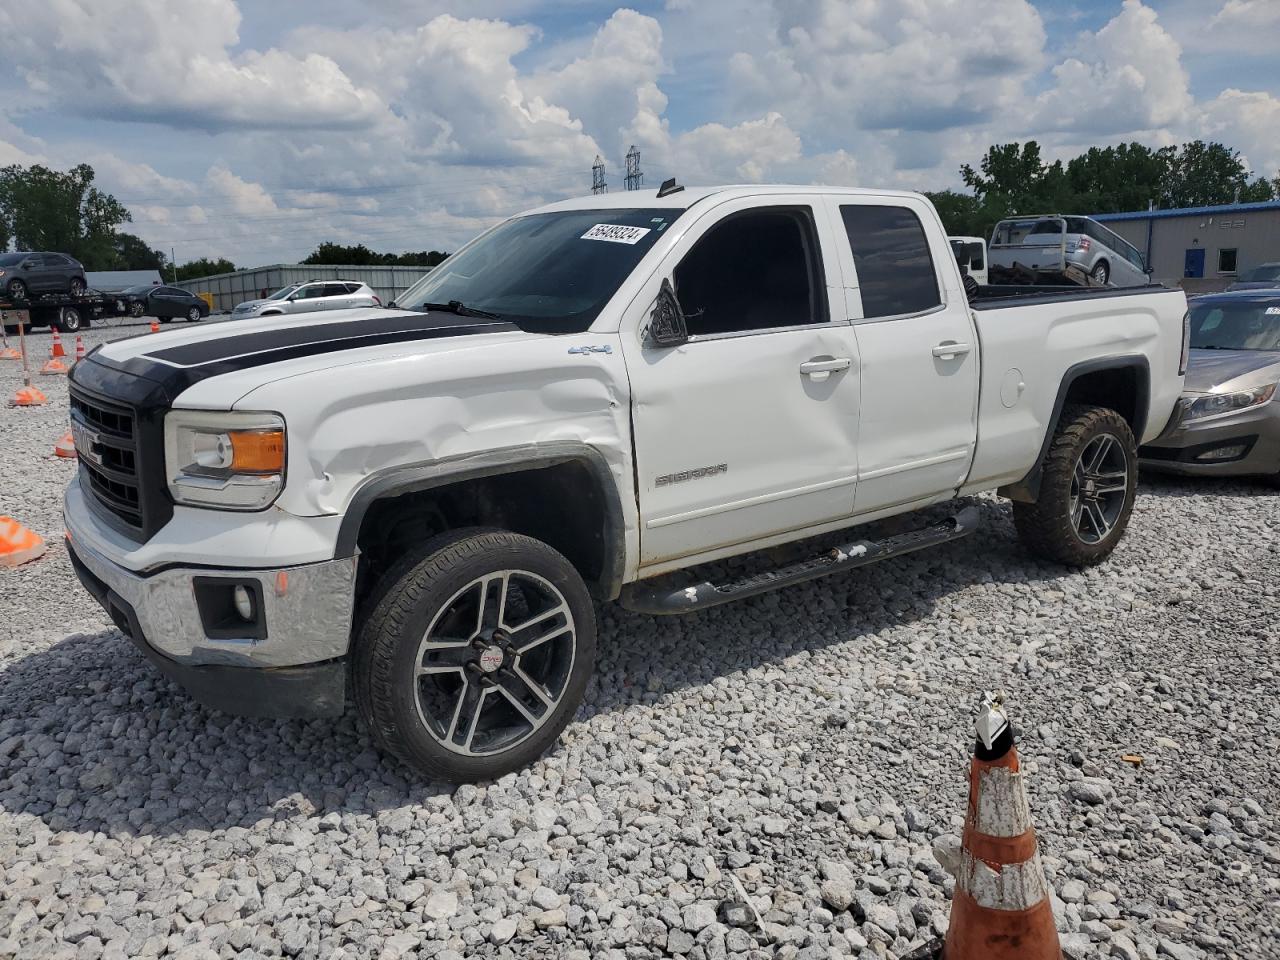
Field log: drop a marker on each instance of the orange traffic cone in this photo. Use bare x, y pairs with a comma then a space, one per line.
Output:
155, 327
79, 348
28, 396
1001, 909
56, 354
66, 446
18, 544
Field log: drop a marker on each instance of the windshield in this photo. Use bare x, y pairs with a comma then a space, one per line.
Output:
1268, 271
284, 291
9, 259
1244, 325
547, 272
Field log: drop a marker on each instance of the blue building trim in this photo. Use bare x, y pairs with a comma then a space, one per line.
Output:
1187, 211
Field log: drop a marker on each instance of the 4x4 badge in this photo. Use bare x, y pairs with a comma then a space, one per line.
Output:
592, 348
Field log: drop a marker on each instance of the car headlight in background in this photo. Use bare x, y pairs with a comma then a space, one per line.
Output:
231, 461
1220, 403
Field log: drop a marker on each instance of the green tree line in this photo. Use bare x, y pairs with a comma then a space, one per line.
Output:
45, 209
1013, 179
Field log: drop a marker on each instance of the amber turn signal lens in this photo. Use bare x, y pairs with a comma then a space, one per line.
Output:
257, 451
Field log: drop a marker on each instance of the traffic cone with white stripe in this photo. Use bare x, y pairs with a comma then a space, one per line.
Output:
56, 356
79, 348
1001, 908
66, 446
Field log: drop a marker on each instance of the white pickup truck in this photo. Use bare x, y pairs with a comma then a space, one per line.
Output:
419, 505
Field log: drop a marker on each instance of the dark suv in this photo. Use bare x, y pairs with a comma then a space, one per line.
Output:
24, 275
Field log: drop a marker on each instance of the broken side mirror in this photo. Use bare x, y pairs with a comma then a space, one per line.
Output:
667, 327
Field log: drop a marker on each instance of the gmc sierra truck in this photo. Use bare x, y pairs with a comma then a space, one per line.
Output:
419, 506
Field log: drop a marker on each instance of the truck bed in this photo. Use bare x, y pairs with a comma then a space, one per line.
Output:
1001, 296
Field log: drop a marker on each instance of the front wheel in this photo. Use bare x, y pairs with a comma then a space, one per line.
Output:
193, 315
17, 290
476, 656
1087, 489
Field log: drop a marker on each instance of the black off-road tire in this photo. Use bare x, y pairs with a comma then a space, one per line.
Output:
1045, 527
387, 648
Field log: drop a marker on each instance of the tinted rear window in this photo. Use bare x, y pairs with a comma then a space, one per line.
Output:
891, 253
9, 259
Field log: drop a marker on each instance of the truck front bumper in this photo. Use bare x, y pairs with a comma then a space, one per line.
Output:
287, 660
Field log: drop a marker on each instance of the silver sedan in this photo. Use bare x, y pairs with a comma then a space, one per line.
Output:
1228, 420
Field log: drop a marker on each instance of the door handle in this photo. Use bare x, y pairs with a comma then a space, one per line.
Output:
822, 369
949, 350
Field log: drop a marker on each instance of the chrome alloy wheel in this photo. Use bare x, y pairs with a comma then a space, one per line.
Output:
494, 662
1099, 486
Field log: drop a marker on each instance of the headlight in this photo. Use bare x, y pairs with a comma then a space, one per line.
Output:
1220, 403
231, 461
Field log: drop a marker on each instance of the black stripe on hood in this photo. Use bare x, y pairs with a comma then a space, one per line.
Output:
179, 367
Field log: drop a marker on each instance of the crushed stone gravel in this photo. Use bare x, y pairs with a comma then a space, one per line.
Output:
766, 779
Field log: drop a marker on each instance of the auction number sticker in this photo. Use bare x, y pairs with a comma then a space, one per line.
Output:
1273, 311
615, 233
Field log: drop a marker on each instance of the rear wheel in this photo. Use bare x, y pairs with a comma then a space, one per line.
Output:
476, 656
1087, 489
1100, 273
77, 286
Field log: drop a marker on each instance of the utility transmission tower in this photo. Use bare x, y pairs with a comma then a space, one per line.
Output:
597, 176
634, 177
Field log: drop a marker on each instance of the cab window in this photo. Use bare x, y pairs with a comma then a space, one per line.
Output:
896, 275
756, 270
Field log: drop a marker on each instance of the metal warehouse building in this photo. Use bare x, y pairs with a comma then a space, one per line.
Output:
228, 289
1202, 248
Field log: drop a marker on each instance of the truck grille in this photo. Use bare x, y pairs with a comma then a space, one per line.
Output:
121, 453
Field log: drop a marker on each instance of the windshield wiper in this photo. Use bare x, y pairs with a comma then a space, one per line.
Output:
461, 309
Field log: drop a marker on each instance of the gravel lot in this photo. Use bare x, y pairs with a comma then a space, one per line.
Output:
811, 743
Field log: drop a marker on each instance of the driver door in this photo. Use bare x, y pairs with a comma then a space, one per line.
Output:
749, 429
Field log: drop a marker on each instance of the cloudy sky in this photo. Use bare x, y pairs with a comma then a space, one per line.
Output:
254, 129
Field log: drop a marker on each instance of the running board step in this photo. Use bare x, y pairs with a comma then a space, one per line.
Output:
644, 598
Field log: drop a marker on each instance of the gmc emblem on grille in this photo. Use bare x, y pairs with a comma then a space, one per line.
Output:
86, 440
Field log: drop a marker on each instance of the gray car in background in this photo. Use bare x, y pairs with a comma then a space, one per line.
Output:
1052, 247
26, 275
310, 297
1227, 422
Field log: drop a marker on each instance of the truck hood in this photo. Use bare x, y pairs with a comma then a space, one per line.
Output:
1222, 371
226, 360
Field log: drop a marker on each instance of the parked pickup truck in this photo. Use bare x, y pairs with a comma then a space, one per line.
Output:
419, 505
